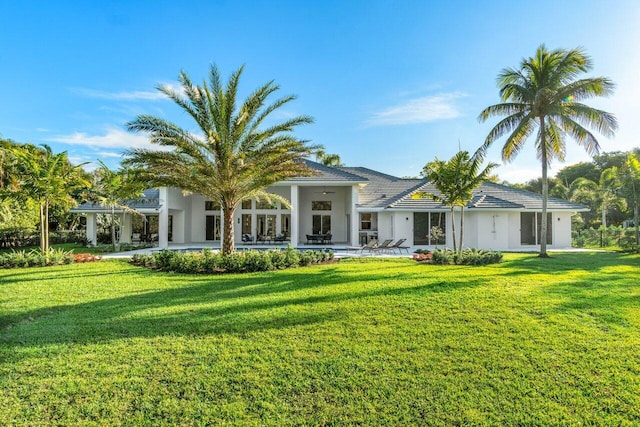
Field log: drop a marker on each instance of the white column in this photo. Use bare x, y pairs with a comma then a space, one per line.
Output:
92, 229
163, 219
125, 227
294, 216
355, 216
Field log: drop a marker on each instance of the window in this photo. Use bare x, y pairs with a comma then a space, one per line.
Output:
429, 228
266, 205
266, 225
246, 204
246, 224
285, 225
365, 221
530, 227
321, 224
211, 206
321, 205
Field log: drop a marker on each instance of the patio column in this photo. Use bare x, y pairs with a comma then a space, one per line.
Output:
92, 229
355, 216
125, 228
294, 216
163, 220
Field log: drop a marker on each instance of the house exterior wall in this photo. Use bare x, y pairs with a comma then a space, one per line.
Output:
338, 210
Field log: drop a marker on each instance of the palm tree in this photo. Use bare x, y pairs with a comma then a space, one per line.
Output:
113, 189
603, 192
630, 180
233, 157
456, 180
544, 96
49, 179
328, 159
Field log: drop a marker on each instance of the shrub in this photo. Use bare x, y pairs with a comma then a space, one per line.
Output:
35, 258
468, 257
209, 262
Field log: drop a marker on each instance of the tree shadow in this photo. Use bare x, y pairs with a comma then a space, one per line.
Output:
205, 305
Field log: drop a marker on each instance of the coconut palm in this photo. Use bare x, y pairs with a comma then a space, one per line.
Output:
603, 193
49, 179
233, 156
328, 159
544, 96
456, 180
630, 180
113, 189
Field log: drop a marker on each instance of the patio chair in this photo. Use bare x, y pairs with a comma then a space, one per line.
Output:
247, 239
369, 246
326, 239
280, 238
135, 238
383, 247
398, 245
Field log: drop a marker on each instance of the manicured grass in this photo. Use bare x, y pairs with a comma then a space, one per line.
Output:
373, 342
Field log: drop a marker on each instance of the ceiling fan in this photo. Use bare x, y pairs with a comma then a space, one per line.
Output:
324, 191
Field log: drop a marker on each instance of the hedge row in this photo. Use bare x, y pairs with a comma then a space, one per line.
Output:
209, 262
469, 257
35, 258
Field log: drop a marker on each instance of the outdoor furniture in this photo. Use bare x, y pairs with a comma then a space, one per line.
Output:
382, 247
247, 239
398, 245
319, 238
135, 238
280, 238
265, 239
369, 246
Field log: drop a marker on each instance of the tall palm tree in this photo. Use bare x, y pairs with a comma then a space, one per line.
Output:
630, 180
113, 189
233, 157
455, 180
603, 193
49, 179
544, 96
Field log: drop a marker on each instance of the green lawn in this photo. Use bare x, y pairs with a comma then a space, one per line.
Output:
373, 342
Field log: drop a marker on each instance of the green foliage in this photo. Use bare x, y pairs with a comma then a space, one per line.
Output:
544, 96
368, 342
234, 157
466, 257
35, 258
208, 262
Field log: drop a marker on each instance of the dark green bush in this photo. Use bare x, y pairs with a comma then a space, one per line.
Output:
209, 262
35, 258
469, 257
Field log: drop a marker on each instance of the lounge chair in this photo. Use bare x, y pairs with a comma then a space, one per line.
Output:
383, 247
247, 239
371, 246
398, 245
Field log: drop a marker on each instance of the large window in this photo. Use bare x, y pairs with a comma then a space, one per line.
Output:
321, 205
246, 224
285, 224
246, 204
266, 225
211, 206
266, 205
365, 221
530, 228
429, 228
321, 224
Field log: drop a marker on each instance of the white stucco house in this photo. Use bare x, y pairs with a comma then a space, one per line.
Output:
353, 205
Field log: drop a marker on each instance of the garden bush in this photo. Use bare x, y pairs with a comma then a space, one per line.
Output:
35, 258
209, 262
468, 257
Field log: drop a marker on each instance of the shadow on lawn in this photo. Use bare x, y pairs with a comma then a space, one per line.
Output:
234, 304
568, 262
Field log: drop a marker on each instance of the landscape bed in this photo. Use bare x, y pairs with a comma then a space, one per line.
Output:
363, 341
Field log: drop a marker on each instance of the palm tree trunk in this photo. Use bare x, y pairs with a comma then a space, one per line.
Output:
545, 192
635, 222
453, 228
461, 229
42, 231
46, 226
113, 228
228, 237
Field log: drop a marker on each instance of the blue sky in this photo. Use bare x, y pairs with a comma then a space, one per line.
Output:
390, 84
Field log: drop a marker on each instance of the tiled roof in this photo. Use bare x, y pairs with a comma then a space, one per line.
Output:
149, 200
326, 174
489, 196
382, 189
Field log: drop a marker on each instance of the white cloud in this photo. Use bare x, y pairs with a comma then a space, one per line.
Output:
109, 154
114, 138
420, 110
136, 95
